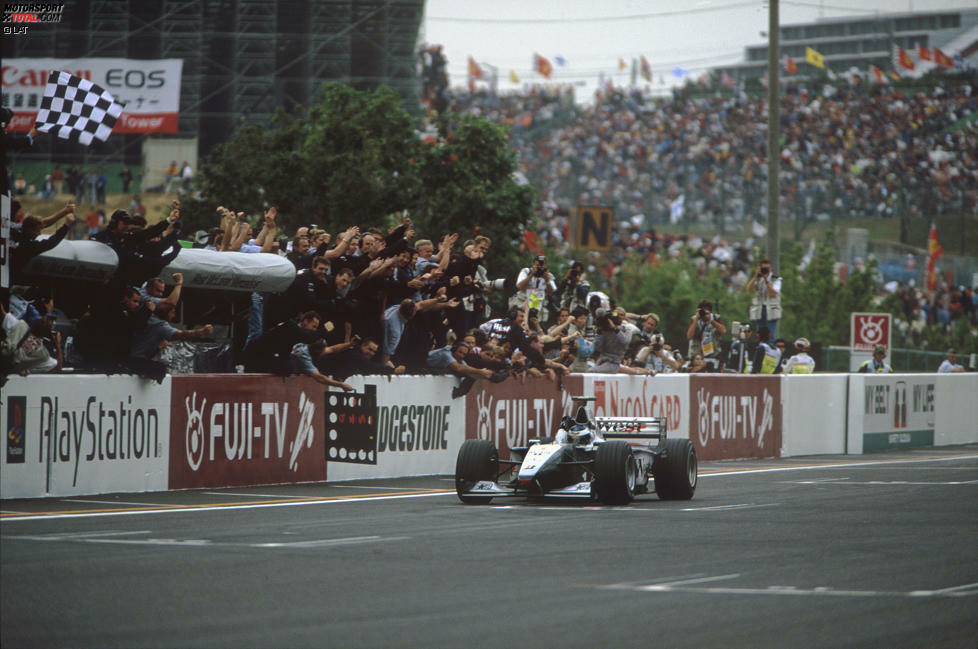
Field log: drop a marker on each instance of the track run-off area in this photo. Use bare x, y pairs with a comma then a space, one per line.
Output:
830, 551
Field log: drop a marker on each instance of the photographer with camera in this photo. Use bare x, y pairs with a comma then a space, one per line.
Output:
534, 286
610, 345
573, 288
657, 355
703, 333
765, 306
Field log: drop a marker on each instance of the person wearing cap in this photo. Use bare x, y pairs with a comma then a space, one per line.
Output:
801, 362
877, 364
950, 364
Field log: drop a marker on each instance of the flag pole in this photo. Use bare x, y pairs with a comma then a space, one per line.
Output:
773, 138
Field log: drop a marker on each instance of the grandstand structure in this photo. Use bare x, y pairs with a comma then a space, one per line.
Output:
242, 59
858, 42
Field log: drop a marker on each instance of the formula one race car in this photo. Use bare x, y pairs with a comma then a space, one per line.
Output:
609, 459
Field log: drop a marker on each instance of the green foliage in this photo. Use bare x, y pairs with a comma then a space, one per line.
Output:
355, 158
817, 305
672, 288
467, 186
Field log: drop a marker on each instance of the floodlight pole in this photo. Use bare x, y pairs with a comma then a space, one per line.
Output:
773, 138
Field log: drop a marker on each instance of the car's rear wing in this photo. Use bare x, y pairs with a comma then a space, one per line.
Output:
631, 427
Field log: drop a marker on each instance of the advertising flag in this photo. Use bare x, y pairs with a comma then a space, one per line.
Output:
542, 66
942, 59
903, 59
646, 69
475, 71
934, 251
789, 65
814, 58
923, 53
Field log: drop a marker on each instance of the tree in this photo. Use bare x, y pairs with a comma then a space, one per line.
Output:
355, 158
467, 186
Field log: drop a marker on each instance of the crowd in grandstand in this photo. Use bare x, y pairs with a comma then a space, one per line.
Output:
367, 301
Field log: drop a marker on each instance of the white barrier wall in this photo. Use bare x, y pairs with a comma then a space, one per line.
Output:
73, 435
956, 409
70, 435
419, 428
814, 414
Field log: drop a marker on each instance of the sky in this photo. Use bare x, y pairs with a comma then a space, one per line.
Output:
591, 36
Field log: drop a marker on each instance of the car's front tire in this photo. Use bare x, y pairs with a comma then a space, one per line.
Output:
477, 460
615, 473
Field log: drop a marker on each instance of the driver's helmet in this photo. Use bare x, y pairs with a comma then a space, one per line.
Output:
580, 433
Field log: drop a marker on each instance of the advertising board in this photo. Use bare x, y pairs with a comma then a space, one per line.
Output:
67, 435
244, 429
150, 89
735, 416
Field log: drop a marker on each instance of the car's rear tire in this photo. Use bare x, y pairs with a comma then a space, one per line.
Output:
477, 460
615, 473
676, 472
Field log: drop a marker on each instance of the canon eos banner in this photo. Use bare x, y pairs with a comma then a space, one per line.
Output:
512, 412
70, 435
735, 416
246, 430
150, 89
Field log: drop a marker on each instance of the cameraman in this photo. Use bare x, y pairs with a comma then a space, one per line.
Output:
703, 333
765, 304
573, 288
657, 355
610, 345
534, 286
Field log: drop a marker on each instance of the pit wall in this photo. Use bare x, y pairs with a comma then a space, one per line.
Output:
75, 435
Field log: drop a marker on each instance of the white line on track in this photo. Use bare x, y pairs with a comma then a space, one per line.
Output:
839, 465
228, 493
172, 509
689, 586
169, 509
112, 502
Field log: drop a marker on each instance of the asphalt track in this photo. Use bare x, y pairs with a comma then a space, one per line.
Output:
841, 551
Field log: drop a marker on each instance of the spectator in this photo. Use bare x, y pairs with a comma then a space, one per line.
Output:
696, 365
877, 364
158, 331
105, 336
101, 183
800, 362
172, 175
186, 176
29, 246
155, 288
126, 176
357, 359
271, 351
451, 359
301, 362
23, 348
950, 364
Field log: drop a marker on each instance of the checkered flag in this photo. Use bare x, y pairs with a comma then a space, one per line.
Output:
78, 108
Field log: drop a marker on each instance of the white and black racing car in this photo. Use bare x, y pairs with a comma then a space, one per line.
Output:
609, 459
